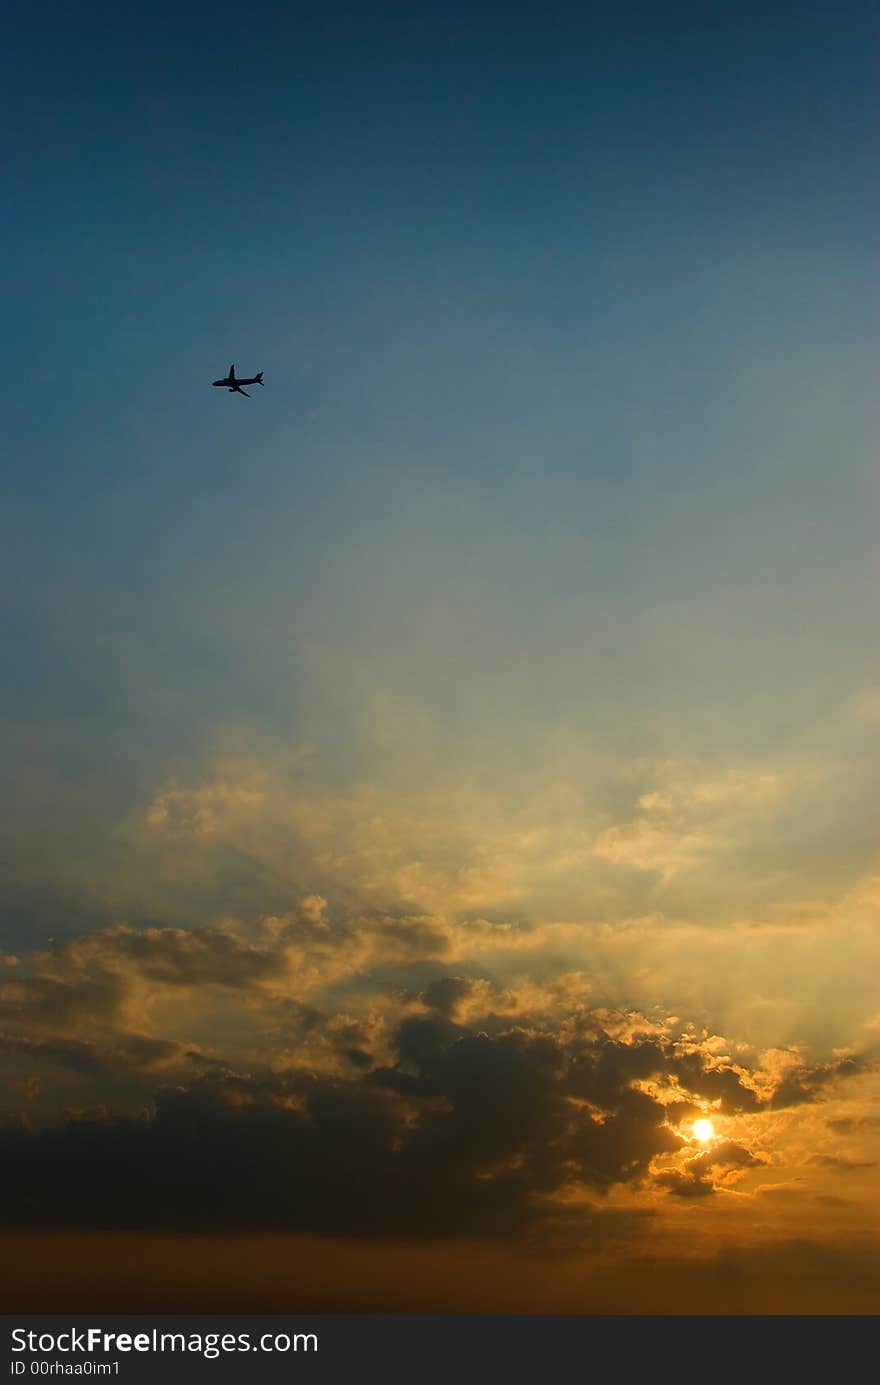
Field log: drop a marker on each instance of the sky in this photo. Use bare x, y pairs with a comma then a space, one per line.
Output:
434, 783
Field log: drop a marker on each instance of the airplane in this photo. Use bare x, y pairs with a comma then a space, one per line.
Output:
235, 386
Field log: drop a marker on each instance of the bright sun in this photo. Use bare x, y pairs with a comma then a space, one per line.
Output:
704, 1130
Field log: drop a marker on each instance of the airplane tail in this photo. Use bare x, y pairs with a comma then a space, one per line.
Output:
259, 377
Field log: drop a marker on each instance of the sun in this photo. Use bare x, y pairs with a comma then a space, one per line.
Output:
704, 1130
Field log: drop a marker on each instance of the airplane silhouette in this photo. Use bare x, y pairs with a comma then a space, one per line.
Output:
235, 386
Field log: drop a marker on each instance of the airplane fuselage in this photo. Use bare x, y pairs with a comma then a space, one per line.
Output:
232, 383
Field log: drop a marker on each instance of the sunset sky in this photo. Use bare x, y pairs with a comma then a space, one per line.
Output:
436, 782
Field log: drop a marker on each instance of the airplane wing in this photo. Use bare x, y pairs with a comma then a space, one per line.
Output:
244, 392
232, 372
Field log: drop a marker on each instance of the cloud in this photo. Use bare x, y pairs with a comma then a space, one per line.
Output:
845, 1125
677, 826
679, 883
841, 1164
65, 1002
717, 1168
127, 1055
463, 849
804, 1083
178, 957
438, 1129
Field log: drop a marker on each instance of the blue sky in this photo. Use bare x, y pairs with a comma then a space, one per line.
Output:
566, 324
562, 465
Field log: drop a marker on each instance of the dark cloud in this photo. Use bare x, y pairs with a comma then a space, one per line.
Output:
358, 1057
721, 1083
704, 1174
838, 1162
684, 1185
695, 1072
420, 1038
446, 994
464, 1133
129, 1053
58, 1003
292, 1015
808, 1084
180, 957
440, 1128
